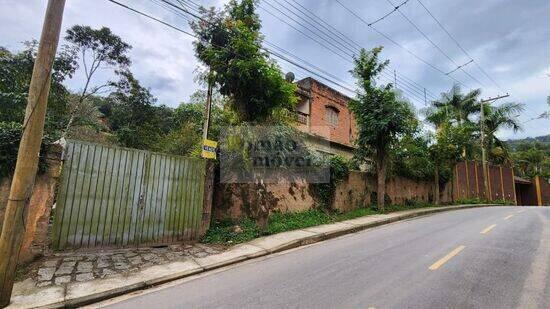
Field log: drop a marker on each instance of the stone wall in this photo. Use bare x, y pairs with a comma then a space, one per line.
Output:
36, 239
252, 200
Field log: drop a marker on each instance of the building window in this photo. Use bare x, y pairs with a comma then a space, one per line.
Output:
331, 115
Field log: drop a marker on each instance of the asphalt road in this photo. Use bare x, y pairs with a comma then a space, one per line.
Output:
478, 258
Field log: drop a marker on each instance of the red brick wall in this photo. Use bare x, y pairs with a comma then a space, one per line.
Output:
322, 97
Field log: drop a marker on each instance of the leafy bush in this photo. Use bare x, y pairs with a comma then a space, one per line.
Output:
10, 136
231, 231
324, 193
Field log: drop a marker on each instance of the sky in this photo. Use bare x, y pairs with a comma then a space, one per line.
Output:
508, 39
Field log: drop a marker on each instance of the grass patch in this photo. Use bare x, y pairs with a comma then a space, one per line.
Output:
225, 232
477, 201
231, 232
282, 222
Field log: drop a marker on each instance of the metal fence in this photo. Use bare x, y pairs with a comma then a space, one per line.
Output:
468, 182
112, 196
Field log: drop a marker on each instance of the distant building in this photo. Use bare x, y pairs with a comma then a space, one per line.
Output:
323, 113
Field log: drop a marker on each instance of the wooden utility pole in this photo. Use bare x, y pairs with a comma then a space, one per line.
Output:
208, 110
483, 150
29, 148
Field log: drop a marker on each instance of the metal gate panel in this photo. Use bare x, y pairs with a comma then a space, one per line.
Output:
112, 196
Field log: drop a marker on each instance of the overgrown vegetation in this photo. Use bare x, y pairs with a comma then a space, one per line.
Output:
476, 201
230, 45
231, 232
324, 192
532, 158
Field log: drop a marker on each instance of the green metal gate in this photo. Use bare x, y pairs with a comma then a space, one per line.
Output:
112, 196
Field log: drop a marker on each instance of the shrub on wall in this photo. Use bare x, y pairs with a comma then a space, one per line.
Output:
10, 136
324, 193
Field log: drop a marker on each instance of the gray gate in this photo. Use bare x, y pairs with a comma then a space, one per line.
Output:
112, 196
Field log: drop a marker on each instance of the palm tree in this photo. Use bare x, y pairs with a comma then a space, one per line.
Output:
504, 116
454, 106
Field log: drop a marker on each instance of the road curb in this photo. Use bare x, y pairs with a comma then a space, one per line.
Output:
294, 243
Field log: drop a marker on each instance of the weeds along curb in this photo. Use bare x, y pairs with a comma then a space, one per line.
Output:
94, 298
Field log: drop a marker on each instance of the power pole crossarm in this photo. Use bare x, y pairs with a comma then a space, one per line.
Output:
29, 148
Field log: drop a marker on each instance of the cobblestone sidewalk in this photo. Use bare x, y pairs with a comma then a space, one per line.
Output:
64, 268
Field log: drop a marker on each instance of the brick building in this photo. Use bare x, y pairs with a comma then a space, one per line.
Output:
323, 113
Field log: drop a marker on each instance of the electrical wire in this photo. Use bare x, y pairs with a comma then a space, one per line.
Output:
459, 45
342, 40
436, 46
387, 37
269, 51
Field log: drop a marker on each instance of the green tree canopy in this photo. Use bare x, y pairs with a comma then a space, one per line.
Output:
380, 115
230, 45
98, 48
15, 75
504, 116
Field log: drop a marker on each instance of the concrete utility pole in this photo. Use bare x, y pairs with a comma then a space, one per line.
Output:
29, 148
483, 150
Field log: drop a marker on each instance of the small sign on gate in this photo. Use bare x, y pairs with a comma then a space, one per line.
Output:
209, 149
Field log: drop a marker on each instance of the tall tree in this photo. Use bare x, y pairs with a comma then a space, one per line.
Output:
98, 48
445, 151
532, 159
137, 123
381, 117
504, 116
456, 108
15, 76
229, 44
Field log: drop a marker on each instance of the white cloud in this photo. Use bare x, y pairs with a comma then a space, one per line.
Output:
509, 43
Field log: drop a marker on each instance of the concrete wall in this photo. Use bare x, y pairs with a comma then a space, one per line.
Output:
253, 200
36, 239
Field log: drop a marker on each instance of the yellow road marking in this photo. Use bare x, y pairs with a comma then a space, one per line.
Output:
446, 258
488, 229
508, 217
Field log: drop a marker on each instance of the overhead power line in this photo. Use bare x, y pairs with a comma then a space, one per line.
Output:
267, 50
459, 45
459, 67
436, 46
387, 37
419, 92
396, 8
345, 45
307, 12
314, 70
